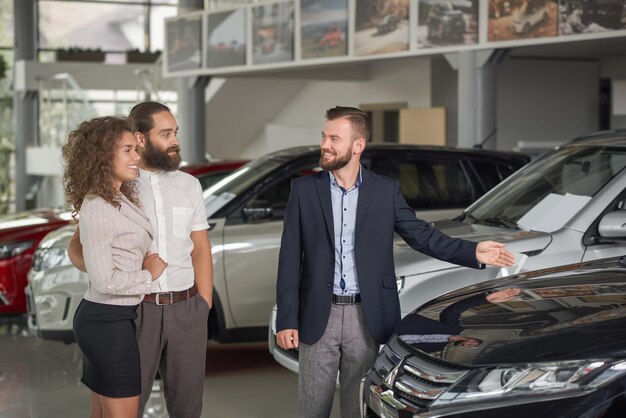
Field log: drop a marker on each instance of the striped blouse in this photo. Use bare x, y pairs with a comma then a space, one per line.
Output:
115, 242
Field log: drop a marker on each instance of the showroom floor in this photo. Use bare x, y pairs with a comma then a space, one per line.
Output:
40, 379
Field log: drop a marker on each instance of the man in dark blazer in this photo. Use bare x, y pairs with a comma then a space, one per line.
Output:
336, 290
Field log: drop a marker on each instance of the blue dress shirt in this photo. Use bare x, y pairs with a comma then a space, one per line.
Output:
344, 203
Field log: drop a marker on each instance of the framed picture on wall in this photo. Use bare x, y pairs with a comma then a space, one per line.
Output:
184, 43
324, 28
226, 43
522, 19
381, 26
446, 23
273, 33
591, 16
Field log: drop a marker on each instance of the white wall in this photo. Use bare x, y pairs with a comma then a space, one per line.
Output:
615, 69
444, 92
618, 116
406, 80
277, 137
538, 100
546, 100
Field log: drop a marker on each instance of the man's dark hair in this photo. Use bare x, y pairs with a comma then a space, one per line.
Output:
140, 116
359, 120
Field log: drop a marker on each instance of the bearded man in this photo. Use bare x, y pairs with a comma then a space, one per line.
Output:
171, 323
336, 291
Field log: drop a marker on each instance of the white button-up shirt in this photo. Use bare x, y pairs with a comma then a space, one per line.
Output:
173, 202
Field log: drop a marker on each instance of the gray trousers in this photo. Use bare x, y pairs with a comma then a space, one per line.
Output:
346, 346
173, 340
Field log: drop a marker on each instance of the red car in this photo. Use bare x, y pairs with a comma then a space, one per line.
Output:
331, 38
21, 232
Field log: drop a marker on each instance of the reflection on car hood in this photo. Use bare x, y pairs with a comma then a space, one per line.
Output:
22, 225
59, 237
563, 313
409, 262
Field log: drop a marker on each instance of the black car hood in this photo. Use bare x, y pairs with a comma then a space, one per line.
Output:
564, 313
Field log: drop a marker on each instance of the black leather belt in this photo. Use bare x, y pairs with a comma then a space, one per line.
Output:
346, 299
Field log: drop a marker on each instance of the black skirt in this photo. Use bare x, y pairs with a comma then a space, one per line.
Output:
106, 336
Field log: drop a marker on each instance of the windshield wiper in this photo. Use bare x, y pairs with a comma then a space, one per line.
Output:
468, 216
500, 221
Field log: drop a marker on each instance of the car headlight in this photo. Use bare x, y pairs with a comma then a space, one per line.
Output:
13, 249
531, 379
46, 258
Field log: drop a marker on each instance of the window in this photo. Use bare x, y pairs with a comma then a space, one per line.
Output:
577, 170
209, 179
111, 26
6, 24
430, 183
487, 173
276, 196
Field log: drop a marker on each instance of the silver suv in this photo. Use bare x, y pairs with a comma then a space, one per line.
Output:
246, 218
566, 207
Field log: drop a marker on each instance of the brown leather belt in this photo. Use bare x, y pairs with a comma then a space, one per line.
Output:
168, 298
346, 299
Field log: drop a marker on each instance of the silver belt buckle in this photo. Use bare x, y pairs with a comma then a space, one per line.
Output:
157, 299
342, 299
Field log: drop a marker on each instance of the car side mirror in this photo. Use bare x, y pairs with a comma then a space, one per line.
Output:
257, 211
612, 226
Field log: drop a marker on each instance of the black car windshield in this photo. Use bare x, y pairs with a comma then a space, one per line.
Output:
225, 190
576, 170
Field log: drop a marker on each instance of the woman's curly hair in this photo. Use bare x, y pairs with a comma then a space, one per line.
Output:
89, 154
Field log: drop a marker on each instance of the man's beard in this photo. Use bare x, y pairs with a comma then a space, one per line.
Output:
340, 161
159, 159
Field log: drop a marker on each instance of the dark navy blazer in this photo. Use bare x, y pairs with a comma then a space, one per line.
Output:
306, 265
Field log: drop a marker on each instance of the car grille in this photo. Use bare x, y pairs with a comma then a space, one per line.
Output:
420, 378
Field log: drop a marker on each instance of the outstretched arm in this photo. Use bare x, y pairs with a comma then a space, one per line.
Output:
494, 254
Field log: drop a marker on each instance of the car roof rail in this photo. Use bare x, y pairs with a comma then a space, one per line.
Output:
599, 134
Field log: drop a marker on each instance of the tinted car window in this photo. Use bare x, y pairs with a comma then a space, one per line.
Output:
487, 171
209, 179
491, 173
576, 170
276, 196
427, 183
428, 180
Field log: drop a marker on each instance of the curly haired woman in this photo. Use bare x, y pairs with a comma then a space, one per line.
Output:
100, 172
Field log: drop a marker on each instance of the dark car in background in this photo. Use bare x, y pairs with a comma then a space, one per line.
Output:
557, 348
607, 13
387, 24
245, 211
21, 232
445, 22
